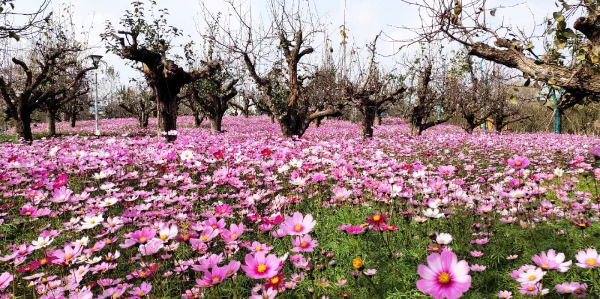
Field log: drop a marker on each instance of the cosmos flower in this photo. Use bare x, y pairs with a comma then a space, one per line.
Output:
588, 258
260, 266
298, 225
304, 244
444, 276
518, 162
551, 260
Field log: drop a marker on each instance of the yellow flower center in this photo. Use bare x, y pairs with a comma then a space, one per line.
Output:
163, 237
234, 235
530, 288
204, 238
142, 239
376, 218
444, 278
544, 265
532, 277
216, 278
591, 262
275, 280
304, 244
92, 221
68, 256
262, 268
298, 227
518, 163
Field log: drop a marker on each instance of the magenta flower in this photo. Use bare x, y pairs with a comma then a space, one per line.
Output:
142, 290
518, 162
259, 266
60, 181
298, 225
445, 276
5, 279
304, 244
588, 258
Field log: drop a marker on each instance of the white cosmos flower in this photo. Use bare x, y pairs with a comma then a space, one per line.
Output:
91, 221
433, 213
558, 172
42, 242
186, 155
443, 238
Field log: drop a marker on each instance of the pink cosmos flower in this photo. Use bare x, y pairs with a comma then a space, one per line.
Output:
215, 276
445, 276
206, 263
66, 255
233, 233
167, 233
259, 266
505, 294
575, 288
261, 292
142, 290
518, 162
304, 243
5, 279
144, 235
151, 247
551, 260
298, 225
532, 289
588, 258
232, 268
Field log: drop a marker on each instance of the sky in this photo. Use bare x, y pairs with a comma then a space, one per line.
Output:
364, 19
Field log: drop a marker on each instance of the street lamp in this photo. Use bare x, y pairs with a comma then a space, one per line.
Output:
96, 60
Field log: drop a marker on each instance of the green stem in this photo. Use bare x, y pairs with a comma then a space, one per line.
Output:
373, 285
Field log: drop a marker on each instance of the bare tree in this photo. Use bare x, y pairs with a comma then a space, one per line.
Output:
293, 28
245, 101
428, 103
147, 43
27, 23
51, 78
371, 92
570, 62
138, 102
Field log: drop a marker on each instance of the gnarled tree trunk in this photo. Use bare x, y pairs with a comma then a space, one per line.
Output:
168, 105
369, 116
23, 124
197, 119
51, 121
215, 123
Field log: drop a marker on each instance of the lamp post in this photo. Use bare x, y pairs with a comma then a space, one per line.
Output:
96, 60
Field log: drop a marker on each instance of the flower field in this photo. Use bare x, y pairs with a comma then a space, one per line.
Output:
248, 214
